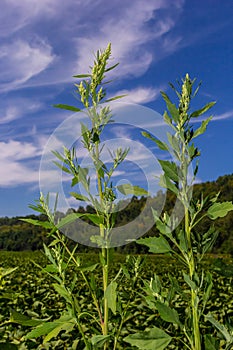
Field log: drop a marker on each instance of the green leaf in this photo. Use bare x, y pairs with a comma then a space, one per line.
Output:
165, 182
99, 340
45, 224
157, 245
68, 219
114, 98
171, 107
62, 167
162, 145
170, 169
80, 76
96, 219
63, 326
202, 128
111, 296
210, 342
61, 290
88, 268
41, 330
163, 227
129, 189
190, 283
52, 329
166, 313
24, 320
79, 196
153, 339
202, 110
219, 210
67, 107
220, 327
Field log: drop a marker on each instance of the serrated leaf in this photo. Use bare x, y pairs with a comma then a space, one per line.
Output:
153, 339
220, 327
190, 283
218, 210
166, 313
68, 219
79, 196
96, 219
64, 326
165, 182
111, 295
202, 128
171, 107
162, 145
170, 169
99, 340
45, 224
202, 110
23, 320
41, 330
157, 245
129, 189
67, 107
61, 290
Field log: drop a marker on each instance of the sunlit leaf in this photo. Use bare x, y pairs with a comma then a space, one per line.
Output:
153, 339
167, 314
219, 210
99, 340
157, 245
202, 110
111, 296
129, 189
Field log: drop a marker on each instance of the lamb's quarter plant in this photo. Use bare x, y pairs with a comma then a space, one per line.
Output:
108, 313
183, 242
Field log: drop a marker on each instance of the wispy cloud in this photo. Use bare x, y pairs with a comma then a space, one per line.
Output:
30, 31
22, 61
140, 94
13, 168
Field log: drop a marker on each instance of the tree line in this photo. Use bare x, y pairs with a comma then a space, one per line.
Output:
16, 235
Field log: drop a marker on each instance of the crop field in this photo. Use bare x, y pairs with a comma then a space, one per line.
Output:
30, 292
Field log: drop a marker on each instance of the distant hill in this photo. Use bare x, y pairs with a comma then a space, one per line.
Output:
18, 236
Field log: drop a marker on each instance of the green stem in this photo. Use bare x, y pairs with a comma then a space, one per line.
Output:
105, 255
194, 305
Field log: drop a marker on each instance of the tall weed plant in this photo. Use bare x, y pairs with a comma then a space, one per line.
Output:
179, 238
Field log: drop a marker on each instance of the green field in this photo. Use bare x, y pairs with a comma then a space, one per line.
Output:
33, 295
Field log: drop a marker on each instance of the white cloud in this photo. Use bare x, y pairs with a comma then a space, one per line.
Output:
12, 170
130, 27
15, 108
22, 61
140, 94
128, 30
224, 116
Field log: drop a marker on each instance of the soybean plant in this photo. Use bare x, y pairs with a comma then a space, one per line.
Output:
107, 313
183, 241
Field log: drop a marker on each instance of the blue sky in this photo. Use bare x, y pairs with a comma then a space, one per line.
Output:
44, 43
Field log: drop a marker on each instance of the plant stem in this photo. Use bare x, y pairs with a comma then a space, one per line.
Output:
196, 345
105, 255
